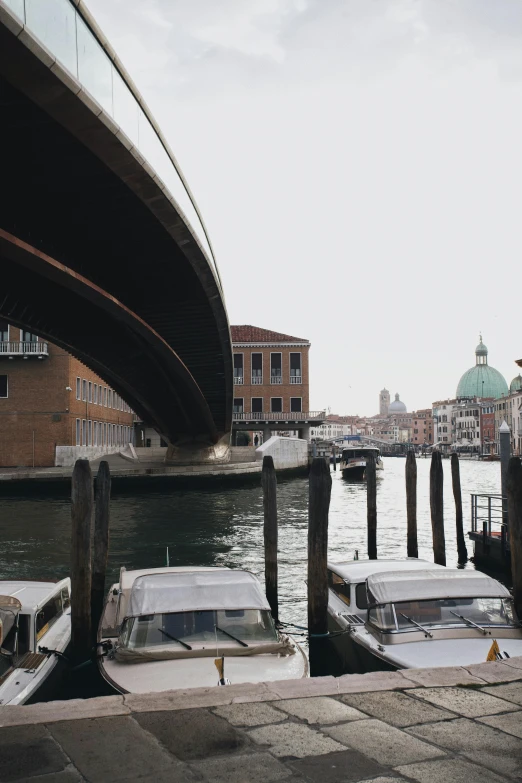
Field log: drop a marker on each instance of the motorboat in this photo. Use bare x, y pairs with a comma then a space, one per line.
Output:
169, 628
411, 614
35, 631
353, 461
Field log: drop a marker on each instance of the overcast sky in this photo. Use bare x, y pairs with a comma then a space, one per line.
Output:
358, 165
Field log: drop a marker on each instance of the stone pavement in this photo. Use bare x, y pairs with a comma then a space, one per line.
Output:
452, 725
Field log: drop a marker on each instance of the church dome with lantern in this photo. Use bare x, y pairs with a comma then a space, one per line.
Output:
482, 380
397, 406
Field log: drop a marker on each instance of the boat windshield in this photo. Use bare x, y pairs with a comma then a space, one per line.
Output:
445, 613
185, 629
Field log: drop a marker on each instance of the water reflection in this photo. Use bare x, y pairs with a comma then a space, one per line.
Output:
224, 527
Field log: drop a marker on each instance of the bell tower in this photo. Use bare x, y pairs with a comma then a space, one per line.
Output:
384, 402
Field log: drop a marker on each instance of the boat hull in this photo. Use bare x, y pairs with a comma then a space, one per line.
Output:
359, 652
25, 686
353, 657
357, 471
157, 676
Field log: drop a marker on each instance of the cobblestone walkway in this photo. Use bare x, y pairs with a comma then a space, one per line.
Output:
427, 725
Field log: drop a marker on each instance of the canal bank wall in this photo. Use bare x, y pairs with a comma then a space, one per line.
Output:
426, 725
289, 454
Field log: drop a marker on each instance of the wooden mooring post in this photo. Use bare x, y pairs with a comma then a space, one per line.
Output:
334, 457
371, 505
101, 546
437, 508
462, 551
269, 485
514, 503
504, 437
81, 519
411, 504
320, 488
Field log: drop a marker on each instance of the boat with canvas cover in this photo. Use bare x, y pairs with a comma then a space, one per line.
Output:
169, 628
411, 614
35, 631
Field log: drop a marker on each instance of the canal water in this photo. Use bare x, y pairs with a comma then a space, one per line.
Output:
224, 527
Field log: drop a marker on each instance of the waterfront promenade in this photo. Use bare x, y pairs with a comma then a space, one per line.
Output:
426, 725
121, 468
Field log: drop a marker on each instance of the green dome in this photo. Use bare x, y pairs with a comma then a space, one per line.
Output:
516, 384
482, 381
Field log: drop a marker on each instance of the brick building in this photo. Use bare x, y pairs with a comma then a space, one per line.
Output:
271, 382
487, 426
53, 410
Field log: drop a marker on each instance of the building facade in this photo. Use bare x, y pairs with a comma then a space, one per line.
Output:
422, 427
334, 426
487, 426
442, 423
271, 383
466, 431
53, 410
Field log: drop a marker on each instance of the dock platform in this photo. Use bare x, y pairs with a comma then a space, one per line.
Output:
427, 725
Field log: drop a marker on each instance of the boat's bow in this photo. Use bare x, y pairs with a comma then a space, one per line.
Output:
165, 675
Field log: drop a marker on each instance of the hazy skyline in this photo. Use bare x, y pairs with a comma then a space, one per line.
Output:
358, 166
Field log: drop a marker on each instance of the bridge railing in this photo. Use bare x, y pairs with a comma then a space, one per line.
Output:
281, 416
73, 37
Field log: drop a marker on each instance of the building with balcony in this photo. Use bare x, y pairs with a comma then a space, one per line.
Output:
53, 410
271, 383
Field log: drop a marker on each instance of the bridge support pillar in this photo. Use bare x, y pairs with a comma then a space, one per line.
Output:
197, 453
304, 432
267, 432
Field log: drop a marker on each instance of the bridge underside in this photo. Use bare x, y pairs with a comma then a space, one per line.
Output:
105, 336
96, 259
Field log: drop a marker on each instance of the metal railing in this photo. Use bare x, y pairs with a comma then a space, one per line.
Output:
23, 349
296, 379
487, 518
74, 38
279, 416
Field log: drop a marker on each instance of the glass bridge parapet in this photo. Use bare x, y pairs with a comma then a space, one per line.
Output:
74, 39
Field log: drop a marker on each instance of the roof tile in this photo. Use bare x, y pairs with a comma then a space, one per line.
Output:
254, 334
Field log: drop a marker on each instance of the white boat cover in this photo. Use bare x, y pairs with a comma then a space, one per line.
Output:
395, 586
195, 591
9, 609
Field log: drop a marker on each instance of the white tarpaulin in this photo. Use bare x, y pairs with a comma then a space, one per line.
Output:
395, 586
195, 591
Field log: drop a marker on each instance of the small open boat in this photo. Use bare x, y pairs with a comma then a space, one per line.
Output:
35, 631
411, 614
353, 461
169, 628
